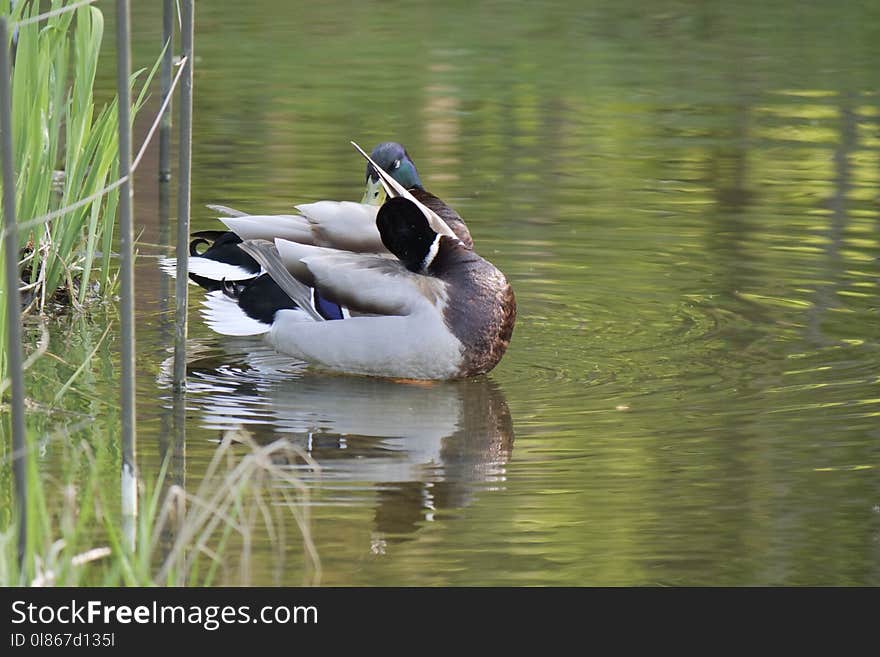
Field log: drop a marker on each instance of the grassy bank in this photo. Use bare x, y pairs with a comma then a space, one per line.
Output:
65, 151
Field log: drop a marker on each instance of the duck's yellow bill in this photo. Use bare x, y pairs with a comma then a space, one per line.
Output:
374, 194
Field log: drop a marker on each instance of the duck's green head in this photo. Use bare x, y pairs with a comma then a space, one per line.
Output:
396, 162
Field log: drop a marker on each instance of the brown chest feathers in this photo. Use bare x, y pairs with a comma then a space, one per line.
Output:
481, 309
447, 214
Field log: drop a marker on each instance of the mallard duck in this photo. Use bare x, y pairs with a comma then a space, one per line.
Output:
393, 158
435, 310
215, 255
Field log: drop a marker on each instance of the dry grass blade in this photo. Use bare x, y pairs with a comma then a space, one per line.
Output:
231, 500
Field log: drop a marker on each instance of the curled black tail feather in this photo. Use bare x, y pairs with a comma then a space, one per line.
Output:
222, 247
220, 238
260, 298
195, 244
232, 289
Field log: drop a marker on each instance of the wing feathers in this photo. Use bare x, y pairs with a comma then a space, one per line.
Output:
268, 227
339, 225
226, 211
366, 283
343, 225
266, 254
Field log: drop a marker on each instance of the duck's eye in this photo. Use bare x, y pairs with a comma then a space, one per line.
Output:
396, 164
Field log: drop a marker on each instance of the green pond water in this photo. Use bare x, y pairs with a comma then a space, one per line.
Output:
686, 199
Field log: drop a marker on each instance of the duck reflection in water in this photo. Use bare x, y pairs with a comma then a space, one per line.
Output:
423, 448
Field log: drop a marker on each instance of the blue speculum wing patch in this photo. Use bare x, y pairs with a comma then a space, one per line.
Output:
327, 309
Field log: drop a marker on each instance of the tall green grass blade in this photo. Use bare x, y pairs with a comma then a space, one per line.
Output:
53, 107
